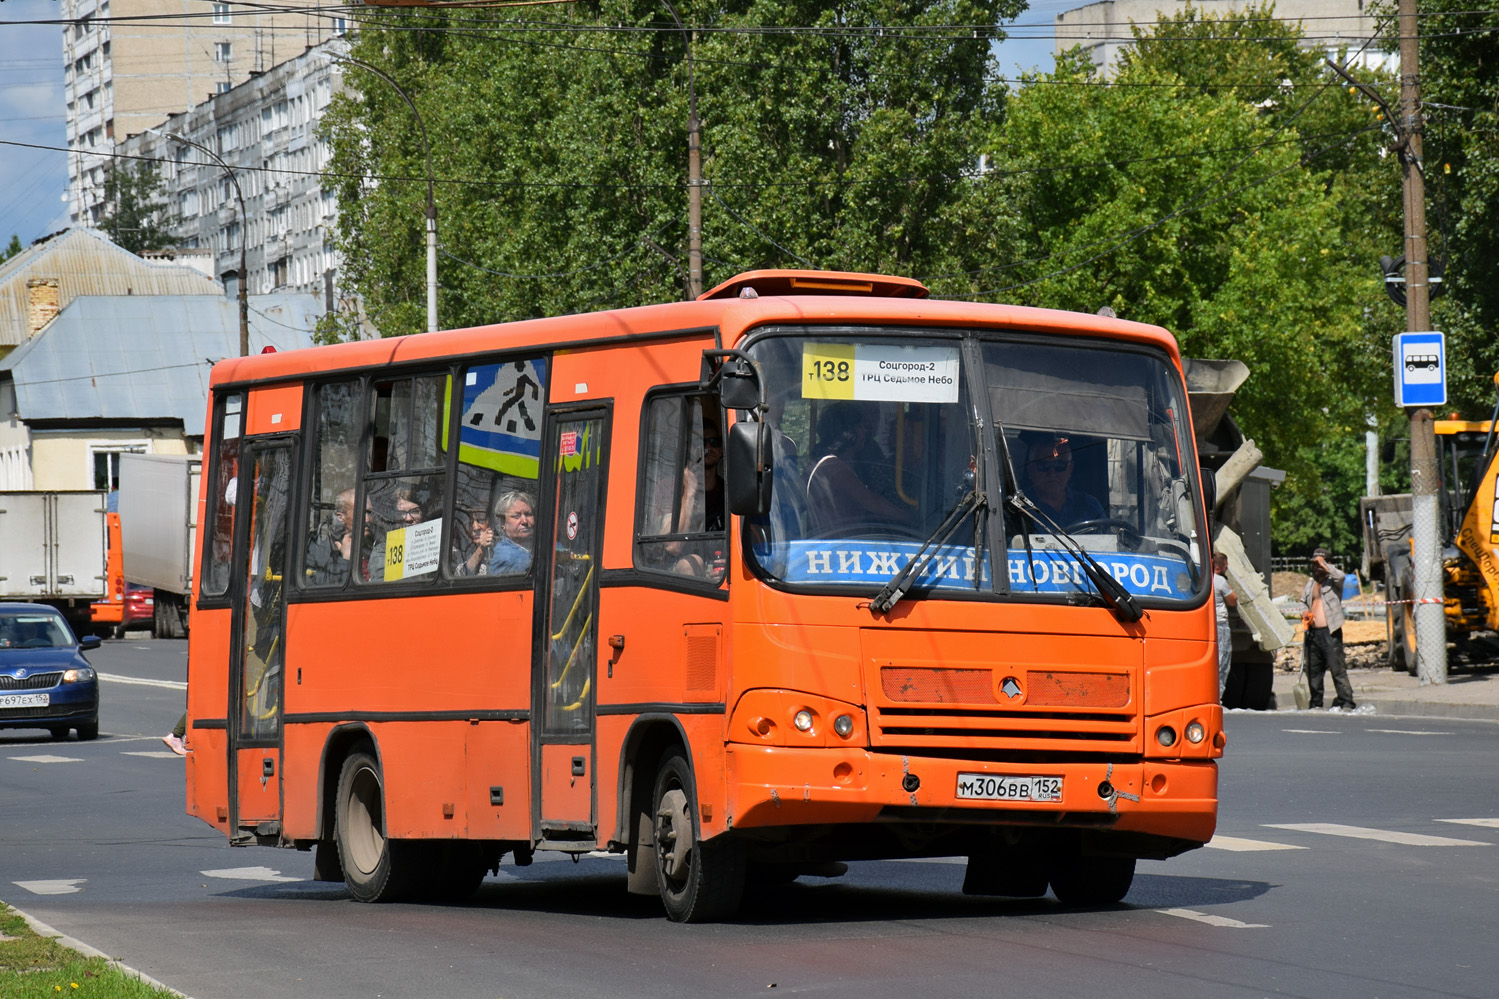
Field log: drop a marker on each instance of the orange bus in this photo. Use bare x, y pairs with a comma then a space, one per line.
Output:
812, 569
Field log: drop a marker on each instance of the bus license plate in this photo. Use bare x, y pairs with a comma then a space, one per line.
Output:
24, 700
991, 787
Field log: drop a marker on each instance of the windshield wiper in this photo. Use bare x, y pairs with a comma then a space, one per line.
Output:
893, 591
1119, 599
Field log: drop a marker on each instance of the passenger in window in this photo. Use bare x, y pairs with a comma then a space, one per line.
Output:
839, 501
407, 512
473, 544
701, 510
1048, 477
332, 547
516, 512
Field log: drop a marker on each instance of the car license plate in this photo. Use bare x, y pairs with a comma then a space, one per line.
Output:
994, 787
24, 700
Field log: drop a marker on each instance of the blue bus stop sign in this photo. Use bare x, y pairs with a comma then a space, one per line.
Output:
1420, 369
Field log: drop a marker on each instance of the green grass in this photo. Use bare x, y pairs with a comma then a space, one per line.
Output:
37, 967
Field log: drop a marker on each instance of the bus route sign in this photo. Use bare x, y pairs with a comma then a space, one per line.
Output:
1420, 369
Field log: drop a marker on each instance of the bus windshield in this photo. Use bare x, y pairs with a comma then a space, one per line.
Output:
879, 459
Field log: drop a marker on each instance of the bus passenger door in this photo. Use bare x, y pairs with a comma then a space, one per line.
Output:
565, 652
256, 653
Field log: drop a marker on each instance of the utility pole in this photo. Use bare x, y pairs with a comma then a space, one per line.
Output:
1430, 616
694, 171
1426, 556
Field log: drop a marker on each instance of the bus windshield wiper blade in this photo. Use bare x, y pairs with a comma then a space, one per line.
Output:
1119, 599
893, 591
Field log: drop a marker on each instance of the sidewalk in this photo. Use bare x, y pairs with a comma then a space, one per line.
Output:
1469, 693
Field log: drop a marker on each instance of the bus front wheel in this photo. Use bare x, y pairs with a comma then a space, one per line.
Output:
698, 881
372, 864
1080, 879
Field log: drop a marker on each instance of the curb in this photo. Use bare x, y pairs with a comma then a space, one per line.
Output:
42, 929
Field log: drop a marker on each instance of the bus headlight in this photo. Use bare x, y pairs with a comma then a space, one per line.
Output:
1196, 733
803, 720
1166, 736
844, 725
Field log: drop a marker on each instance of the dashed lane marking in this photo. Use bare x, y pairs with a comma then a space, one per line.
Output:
1406, 731
248, 874
155, 754
142, 681
1485, 823
1237, 845
1203, 917
47, 758
62, 886
1381, 835
1311, 731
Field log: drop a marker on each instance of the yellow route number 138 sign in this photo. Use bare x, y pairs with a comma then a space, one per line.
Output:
880, 372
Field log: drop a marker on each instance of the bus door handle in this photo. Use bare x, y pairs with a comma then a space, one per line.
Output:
617, 643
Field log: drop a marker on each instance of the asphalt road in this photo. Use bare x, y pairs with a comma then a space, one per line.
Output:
1357, 856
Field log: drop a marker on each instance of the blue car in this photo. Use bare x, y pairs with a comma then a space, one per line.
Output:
44, 680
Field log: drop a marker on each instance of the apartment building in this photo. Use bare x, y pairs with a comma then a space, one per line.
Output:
264, 132
132, 63
1103, 29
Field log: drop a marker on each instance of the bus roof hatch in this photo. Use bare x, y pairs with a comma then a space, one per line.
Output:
778, 282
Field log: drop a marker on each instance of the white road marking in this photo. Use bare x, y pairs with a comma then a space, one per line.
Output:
142, 682
1382, 835
155, 754
1203, 917
48, 759
1311, 731
1406, 731
1486, 823
64, 886
1246, 845
248, 874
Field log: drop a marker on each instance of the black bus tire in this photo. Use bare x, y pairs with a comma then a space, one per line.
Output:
375, 868
699, 882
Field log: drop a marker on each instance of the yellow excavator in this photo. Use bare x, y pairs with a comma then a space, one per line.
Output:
1468, 459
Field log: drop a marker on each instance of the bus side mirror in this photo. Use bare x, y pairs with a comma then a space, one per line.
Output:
748, 469
1209, 487
738, 388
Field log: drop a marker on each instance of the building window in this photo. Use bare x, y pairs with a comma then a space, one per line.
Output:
221, 14
222, 51
223, 87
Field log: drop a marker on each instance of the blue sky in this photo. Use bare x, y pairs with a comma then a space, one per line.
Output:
34, 181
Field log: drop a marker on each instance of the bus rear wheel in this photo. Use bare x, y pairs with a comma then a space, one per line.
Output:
375, 868
698, 881
1081, 879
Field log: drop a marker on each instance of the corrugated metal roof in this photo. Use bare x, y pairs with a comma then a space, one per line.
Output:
85, 262
141, 357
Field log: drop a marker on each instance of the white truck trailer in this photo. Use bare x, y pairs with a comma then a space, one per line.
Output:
53, 550
158, 506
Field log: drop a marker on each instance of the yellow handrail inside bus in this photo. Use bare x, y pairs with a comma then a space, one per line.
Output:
578, 602
573, 655
575, 705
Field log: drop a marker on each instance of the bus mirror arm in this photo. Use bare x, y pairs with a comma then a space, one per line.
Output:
747, 468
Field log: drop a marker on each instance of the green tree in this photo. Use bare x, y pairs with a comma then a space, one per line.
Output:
135, 214
12, 249
560, 146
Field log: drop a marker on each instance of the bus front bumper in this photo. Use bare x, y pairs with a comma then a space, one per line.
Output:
1173, 798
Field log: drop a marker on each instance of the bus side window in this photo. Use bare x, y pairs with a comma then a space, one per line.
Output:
680, 527
222, 495
403, 485
330, 508
499, 453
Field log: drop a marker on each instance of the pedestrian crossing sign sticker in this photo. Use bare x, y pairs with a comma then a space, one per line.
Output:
501, 424
1420, 369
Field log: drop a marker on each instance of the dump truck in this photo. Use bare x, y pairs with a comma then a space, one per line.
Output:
158, 503
1468, 520
53, 550
1240, 528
